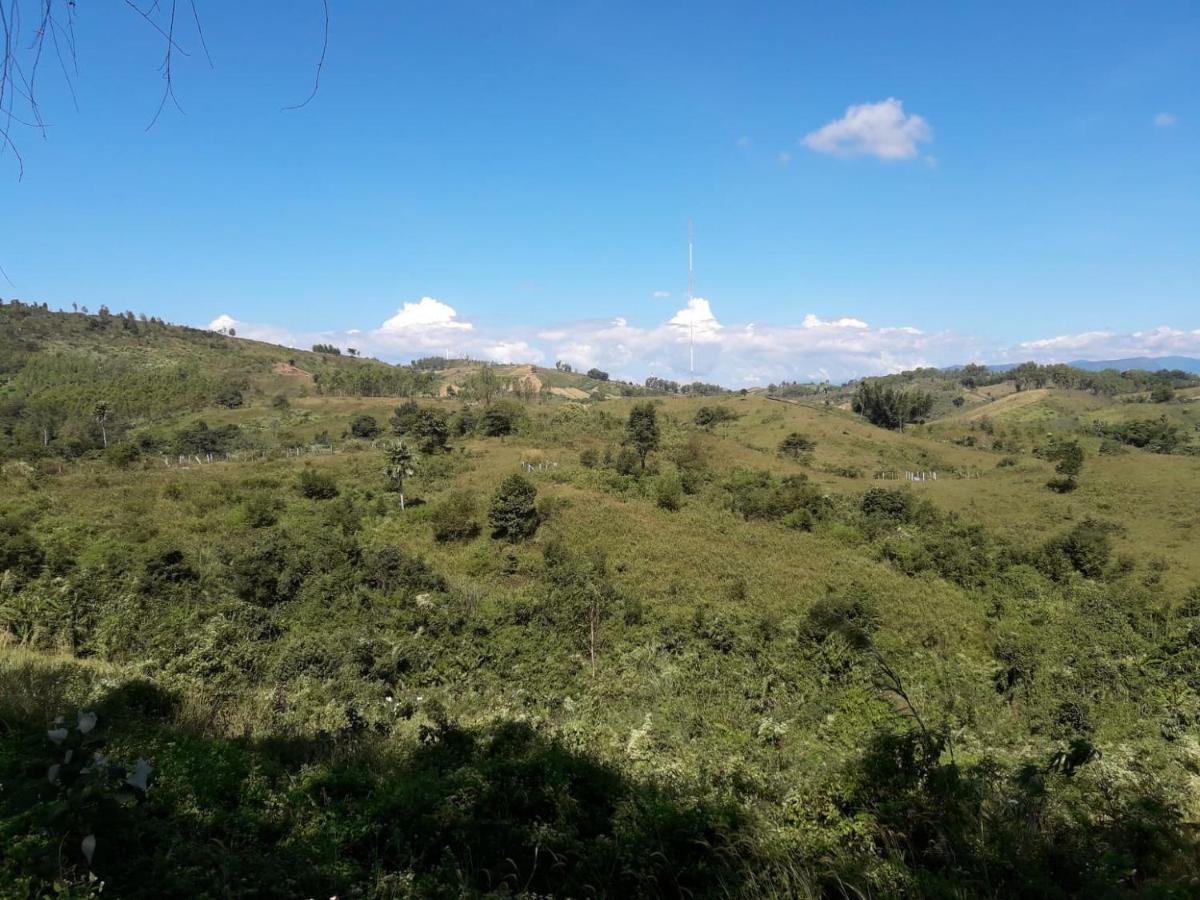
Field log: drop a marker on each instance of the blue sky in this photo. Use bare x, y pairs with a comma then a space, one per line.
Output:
1016, 180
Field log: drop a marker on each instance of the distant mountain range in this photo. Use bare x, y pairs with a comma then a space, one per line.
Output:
1149, 363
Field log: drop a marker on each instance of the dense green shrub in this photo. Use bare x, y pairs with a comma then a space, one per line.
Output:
796, 445
513, 513
123, 455
668, 491
454, 518
1155, 435
1085, 549
759, 495
316, 485
431, 430
20, 552
230, 398
709, 416
364, 426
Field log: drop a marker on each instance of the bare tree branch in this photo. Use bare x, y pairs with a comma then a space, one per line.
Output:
22, 50
320, 64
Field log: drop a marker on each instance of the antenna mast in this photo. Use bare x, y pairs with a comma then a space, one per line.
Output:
691, 310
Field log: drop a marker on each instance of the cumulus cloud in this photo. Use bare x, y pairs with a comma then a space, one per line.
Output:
424, 315
882, 130
1164, 120
814, 348
696, 320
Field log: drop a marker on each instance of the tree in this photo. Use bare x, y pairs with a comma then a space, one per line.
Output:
405, 417
431, 431
399, 462
641, 431
513, 513
597, 375
484, 384
499, 421
583, 596
101, 411
890, 407
1162, 393
364, 426
1070, 463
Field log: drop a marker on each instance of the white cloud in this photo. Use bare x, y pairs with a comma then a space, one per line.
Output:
1161, 341
745, 143
696, 320
1165, 120
427, 313
661, 295
815, 347
882, 130
784, 157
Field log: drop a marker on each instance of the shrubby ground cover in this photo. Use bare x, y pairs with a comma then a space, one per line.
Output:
679, 656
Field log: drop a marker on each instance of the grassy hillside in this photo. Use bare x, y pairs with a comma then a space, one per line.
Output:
729, 672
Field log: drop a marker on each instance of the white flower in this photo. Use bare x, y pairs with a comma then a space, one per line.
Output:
87, 721
58, 735
142, 771
88, 846
52, 774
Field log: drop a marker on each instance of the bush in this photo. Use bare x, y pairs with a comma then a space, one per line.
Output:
123, 455
364, 426
258, 510
893, 504
1085, 549
668, 491
1062, 484
316, 485
431, 430
796, 445
589, 458
513, 513
708, 416
405, 417
627, 462
1162, 393
230, 398
19, 551
454, 518
500, 420
758, 495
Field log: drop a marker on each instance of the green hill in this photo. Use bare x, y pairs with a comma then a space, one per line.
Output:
757, 662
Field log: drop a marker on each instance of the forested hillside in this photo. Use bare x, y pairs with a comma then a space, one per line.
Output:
292, 624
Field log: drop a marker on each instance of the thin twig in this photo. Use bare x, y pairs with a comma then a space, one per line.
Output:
320, 64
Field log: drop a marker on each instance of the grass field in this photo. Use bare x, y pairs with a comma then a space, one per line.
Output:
728, 672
